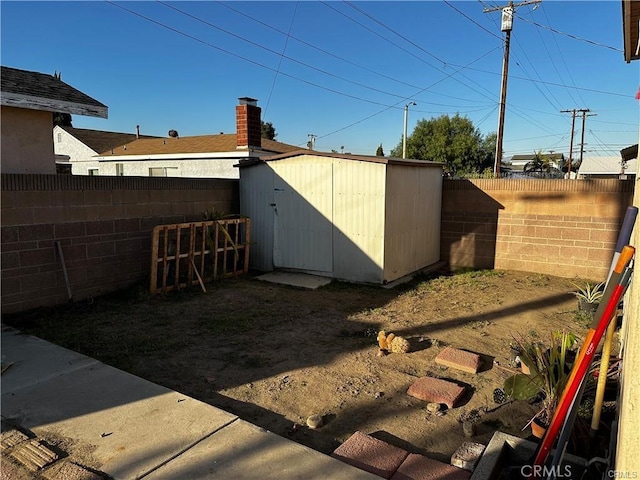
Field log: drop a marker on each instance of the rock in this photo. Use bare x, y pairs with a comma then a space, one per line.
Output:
314, 421
469, 428
378, 394
433, 407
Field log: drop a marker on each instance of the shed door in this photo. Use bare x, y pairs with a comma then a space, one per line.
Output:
303, 220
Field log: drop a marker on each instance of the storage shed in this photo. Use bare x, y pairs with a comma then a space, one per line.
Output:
356, 218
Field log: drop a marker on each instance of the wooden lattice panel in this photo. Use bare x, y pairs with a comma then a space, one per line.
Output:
186, 254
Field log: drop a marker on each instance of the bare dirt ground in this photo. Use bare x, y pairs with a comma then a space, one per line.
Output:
274, 355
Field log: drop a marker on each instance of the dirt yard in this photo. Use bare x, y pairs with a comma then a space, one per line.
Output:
274, 355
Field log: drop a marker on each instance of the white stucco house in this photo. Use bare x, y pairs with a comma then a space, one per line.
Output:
211, 156
76, 147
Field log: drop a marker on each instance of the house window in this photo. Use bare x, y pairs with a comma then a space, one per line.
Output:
163, 171
59, 138
119, 169
93, 172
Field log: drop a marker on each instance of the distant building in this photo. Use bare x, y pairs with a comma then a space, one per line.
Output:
608, 167
212, 156
517, 166
29, 100
75, 147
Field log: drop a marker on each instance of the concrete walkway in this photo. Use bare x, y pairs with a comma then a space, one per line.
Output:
129, 428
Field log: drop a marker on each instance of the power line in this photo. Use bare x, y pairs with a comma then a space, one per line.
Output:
473, 21
315, 47
284, 49
280, 55
573, 82
470, 87
575, 37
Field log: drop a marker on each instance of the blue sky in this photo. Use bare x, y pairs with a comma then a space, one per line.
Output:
342, 71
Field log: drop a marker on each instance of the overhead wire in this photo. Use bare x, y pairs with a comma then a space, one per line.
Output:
256, 44
470, 87
246, 59
564, 62
575, 37
284, 49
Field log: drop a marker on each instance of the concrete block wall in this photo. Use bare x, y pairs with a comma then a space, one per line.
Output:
566, 228
104, 227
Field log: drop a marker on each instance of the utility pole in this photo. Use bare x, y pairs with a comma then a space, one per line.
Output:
507, 25
574, 112
584, 119
312, 141
573, 125
404, 131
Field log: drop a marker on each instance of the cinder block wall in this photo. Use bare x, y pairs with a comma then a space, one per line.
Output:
566, 228
103, 225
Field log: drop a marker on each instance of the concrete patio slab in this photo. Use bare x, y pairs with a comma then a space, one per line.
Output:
301, 280
244, 451
34, 360
130, 425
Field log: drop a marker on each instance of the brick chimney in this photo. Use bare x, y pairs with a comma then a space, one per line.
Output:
248, 127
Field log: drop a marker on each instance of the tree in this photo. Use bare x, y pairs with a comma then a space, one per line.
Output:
541, 167
453, 141
380, 151
267, 130
60, 118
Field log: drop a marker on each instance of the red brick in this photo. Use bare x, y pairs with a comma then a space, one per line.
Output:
466, 361
370, 454
437, 391
419, 467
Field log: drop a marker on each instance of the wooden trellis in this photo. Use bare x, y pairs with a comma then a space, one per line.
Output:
186, 254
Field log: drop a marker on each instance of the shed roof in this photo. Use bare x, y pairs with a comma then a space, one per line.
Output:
224, 142
40, 91
99, 140
344, 156
605, 166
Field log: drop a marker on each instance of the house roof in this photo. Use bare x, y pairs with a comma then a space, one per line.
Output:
605, 166
344, 156
225, 142
40, 91
630, 31
100, 141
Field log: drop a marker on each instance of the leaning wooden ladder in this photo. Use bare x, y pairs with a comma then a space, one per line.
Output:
186, 254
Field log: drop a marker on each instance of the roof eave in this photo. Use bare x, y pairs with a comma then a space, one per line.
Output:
49, 105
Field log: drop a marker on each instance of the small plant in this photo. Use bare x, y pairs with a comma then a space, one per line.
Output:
591, 292
549, 371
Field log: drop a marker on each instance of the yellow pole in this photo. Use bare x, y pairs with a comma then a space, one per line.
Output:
602, 376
